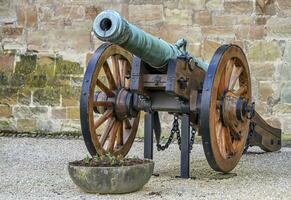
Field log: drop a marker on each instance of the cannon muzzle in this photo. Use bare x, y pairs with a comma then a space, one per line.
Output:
109, 26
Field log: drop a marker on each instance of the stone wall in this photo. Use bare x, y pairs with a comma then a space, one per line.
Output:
45, 45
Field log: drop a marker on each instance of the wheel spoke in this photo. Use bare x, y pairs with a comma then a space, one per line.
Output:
122, 71
107, 114
218, 134
236, 132
115, 68
110, 78
228, 70
222, 146
242, 90
119, 139
236, 72
127, 124
104, 88
113, 134
106, 132
221, 86
228, 142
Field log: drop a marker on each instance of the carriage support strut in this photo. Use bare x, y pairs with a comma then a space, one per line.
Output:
185, 142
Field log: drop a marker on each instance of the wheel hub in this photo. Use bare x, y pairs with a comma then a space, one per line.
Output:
123, 104
235, 110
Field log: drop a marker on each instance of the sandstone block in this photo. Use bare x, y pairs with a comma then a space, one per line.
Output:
31, 16
59, 113
70, 125
239, 7
262, 70
36, 80
70, 96
250, 32
154, 14
59, 81
5, 111
245, 19
73, 113
66, 67
177, 16
74, 12
24, 96
27, 16
282, 108
286, 125
171, 4
8, 95
7, 125
284, 7
26, 125
173, 32
223, 20
45, 65
203, 18
7, 62
141, 2
12, 32
266, 8
26, 65
22, 112
287, 53
214, 5
265, 90
76, 81
279, 27
219, 31
209, 47
47, 96
5, 78
286, 93
48, 125
41, 40
194, 49
264, 51
92, 11
260, 20
21, 16
192, 4
46, 13
18, 80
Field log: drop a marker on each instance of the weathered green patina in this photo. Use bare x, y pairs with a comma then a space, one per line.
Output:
111, 27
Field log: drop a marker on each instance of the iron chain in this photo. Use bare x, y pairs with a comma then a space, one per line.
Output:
175, 129
248, 142
193, 132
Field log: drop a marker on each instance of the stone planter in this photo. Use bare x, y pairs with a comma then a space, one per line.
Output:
111, 180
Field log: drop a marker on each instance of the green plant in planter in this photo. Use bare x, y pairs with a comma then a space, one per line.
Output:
108, 160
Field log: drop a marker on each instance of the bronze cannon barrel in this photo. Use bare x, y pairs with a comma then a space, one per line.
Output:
109, 26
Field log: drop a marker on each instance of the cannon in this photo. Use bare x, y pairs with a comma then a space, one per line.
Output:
134, 72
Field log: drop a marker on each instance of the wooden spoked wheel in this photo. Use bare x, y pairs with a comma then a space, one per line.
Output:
225, 97
105, 83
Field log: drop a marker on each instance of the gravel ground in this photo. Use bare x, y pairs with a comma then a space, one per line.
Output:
37, 169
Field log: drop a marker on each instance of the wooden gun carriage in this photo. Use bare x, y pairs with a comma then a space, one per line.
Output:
135, 71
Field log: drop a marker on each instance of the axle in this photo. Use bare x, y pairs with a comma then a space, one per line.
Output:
110, 26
